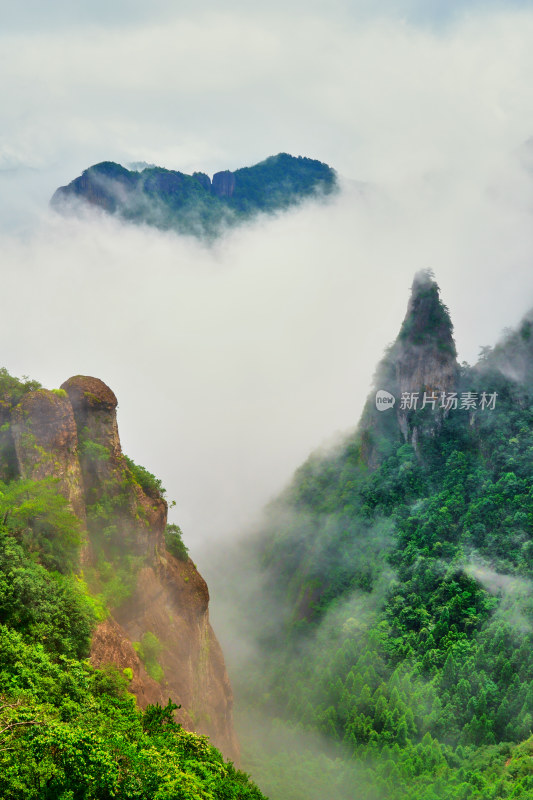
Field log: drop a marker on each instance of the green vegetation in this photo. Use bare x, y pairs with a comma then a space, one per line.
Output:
151, 485
116, 558
114, 538
429, 322
403, 655
94, 450
113, 583
38, 517
149, 650
42, 606
279, 182
112, 577
68, 731
13, 389
190, 204
174, 542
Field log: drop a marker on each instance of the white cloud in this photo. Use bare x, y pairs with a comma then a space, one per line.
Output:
231, 364
378, 98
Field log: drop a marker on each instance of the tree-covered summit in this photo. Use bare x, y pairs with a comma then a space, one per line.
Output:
195, 204
427, 321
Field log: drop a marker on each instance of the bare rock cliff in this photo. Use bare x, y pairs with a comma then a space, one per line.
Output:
223, 183
158, 622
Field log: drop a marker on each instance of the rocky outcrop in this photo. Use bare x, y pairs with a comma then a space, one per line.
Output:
424, 353
94, 406
110, 645
420, 371
203, 179
46, 443
106, 185
223, 183
140, 517
151, 595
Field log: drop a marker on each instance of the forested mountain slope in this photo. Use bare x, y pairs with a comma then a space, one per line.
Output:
393, 587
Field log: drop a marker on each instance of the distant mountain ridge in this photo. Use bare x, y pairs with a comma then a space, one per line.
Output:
195, 204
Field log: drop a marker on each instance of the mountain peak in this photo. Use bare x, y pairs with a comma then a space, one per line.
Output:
195, 204
419, 367
424, 356
427, 323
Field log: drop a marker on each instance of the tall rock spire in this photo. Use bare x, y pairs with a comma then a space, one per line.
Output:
424, 352
416, 373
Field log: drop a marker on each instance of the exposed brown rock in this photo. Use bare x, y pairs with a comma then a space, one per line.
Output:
110, 645
45, 439
171, 601
73, 436
94, 406
141, 517
170, 598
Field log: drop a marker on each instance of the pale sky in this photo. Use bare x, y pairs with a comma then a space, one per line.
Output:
232, 363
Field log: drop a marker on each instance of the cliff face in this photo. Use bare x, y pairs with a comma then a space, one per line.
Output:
223, 183
158, 622
420, 371
46, 444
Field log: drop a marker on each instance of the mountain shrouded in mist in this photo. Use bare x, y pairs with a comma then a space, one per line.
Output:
107, 656
195, 204
378, 625
388, 605
422, 359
